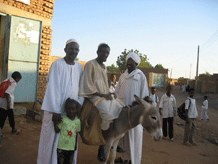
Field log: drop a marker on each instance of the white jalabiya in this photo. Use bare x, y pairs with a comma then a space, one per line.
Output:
63, 83
94, 80
129, 85
154, 98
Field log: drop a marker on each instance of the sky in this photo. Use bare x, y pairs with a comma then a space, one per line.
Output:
167, 31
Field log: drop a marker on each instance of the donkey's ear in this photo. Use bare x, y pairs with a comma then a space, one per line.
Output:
142, 102
138, 99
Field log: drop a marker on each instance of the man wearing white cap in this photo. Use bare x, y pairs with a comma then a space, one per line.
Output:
94, 85
132, 82
63, 82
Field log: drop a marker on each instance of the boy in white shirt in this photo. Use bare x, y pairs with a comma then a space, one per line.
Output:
167, 109
112, 83
7, 103
191, 114
204, 109
153, 96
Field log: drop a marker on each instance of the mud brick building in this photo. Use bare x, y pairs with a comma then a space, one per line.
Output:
25, 45
206, 85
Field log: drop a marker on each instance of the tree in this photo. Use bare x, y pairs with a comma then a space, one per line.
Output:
112, 67
160, 66
204, 75
121, 60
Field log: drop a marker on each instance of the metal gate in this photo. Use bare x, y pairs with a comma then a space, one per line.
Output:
24, 50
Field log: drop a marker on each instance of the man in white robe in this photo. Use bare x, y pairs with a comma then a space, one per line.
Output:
63, 82
132, 82
94, 85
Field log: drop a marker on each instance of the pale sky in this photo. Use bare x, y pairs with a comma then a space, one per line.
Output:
167, 31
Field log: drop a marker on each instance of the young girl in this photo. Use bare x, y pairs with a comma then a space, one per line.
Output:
69, 127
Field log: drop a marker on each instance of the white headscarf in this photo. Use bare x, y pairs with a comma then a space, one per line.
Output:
71, 41
134, 57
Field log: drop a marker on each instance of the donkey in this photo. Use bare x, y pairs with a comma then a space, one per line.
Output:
141, 113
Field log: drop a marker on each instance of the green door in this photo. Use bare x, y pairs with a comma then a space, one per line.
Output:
24, 50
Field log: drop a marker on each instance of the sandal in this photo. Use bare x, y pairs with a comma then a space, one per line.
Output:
119, 160
16, 131
101, 154
120, 149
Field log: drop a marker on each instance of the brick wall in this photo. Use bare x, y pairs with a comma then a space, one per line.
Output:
42, 8
207, 85
38, 10
44, 60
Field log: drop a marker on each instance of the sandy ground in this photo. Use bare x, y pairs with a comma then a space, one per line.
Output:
22, 149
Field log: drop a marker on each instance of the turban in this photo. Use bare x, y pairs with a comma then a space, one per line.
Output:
134, 57
71, 41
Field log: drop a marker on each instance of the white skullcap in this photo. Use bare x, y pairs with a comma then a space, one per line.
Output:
134, 57
71, 40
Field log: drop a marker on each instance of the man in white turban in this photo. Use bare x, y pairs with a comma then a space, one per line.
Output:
63, 83
132, 82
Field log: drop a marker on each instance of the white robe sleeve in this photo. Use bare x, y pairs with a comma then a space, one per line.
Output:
174, 102
52, 99
187, 104
87, 85
144, 86
161, 102
117, 87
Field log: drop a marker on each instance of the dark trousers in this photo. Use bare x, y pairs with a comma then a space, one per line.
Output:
168, 120
4, 114
65, 156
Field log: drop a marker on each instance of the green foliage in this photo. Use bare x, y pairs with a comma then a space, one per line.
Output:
121, 60
77, 59
160, 66
112, 67
204, 75
181, 78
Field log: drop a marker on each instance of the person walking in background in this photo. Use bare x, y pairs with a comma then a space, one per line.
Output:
153, 96
7, 101
183, 88
204, 109
167, 109
191, 114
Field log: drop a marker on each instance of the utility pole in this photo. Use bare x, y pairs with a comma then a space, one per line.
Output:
171, 73
190, 71
196, 77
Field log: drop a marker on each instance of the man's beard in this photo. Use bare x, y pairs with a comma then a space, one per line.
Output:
72, 56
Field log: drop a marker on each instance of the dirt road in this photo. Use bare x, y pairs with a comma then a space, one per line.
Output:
22, 149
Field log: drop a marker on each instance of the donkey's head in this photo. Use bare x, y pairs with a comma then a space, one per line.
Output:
150, 119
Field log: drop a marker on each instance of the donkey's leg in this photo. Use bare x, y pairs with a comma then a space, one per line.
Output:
114, 151
108, 148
